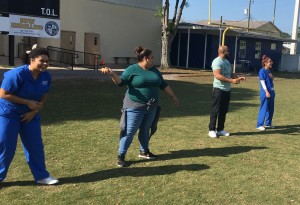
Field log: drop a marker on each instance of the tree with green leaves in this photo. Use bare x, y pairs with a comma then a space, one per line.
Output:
169, 28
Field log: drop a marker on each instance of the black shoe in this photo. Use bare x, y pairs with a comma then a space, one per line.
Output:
121, 161
147, 155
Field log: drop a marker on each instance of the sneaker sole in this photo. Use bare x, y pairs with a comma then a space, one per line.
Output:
261, 129
144, 157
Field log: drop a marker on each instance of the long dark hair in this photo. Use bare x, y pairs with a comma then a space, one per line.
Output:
36, 52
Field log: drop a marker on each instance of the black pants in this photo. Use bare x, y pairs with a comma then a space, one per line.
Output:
220, 105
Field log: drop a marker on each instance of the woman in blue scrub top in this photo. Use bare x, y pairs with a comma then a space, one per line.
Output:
23, 93
267, 95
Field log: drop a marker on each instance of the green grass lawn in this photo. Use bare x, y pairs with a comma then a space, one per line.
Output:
80, 132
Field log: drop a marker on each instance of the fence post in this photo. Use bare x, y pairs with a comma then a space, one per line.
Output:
73, 58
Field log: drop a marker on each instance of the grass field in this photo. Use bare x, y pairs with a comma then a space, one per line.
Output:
80, 132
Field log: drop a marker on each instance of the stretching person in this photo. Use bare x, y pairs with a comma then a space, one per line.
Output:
221, 92
140, 103
23, 93
267, 95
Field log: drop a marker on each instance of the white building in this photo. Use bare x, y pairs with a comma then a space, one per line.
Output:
112, 28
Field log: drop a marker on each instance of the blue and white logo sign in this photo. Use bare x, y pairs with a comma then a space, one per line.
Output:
33, 26
52, 28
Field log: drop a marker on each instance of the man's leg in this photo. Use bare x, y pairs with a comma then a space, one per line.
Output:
216, 103
225, 100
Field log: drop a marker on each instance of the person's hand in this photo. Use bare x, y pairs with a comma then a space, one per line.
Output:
242, 78
268, 95
176, 101
27, 117
106, 70
34, 105
235, 81
271, 76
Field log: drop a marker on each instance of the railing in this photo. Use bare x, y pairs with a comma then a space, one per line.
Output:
66, 57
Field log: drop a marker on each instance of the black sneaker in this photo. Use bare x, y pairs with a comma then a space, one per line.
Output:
147, 155
121, 161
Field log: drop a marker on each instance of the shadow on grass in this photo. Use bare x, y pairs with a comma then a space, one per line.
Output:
86, 100
118, 172
17, 183
132, 172
284, 130
212, 152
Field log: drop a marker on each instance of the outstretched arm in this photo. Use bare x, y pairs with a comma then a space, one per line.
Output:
107, 71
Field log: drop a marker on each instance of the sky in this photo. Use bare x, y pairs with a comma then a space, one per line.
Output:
261, 10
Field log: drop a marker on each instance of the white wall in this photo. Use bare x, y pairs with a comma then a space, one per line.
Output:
290, 63
121, 28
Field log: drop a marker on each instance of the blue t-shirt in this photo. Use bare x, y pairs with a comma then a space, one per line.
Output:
264, 75
224, 66
20, 82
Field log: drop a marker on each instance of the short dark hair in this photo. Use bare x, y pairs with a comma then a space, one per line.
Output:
34, 54
142, 53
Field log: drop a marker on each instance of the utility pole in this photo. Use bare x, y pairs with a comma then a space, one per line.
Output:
249, 14
293, 50
274, 12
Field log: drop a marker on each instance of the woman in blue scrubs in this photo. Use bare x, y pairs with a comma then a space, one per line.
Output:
267, 95
23, 93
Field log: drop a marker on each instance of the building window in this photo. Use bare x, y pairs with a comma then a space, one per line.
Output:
257, 50
95, 41
242, 53
273, 46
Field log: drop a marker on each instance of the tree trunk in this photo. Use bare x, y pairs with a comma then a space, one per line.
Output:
165, 52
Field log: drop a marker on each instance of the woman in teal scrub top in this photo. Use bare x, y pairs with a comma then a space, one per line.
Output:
144, 82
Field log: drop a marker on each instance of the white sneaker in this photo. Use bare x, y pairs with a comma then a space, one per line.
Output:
269, 126
261, 128
48, 181
223, 133
212, 134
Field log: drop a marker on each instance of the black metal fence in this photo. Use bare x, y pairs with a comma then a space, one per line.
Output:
66, 58
70, 58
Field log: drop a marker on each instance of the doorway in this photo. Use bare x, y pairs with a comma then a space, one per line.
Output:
67, 43
91, 46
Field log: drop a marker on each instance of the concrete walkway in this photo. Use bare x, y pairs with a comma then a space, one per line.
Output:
76, 73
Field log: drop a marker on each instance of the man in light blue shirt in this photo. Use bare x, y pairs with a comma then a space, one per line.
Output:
223, 78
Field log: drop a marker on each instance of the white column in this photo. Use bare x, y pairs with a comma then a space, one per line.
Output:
178, 52
205, 46
235, 53
188, 49
295, 28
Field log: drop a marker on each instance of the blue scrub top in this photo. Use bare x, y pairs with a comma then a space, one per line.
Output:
264, 75
20, 82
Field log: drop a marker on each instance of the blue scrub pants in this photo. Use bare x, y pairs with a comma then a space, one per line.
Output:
31, 137
137, 119
266, 111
